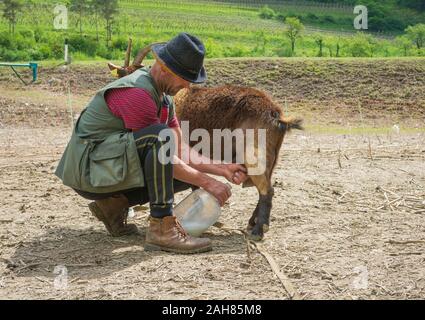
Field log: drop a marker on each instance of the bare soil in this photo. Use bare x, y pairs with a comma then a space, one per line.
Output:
348, 220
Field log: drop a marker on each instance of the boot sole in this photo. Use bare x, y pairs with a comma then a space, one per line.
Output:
94, 209
153, 247
97, 213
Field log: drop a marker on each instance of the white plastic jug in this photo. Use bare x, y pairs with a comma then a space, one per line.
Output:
197, 212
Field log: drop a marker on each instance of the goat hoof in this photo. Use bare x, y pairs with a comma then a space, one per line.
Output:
255, 237
254, 234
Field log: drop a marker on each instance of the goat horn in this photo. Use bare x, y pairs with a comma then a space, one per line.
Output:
143, 53
128, 54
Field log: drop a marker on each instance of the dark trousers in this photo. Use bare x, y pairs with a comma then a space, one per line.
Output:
159, 186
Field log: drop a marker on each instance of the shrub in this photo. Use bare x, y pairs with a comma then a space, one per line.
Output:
45, 51
120, 43
280, 17
267, 13
312, 17
117, 54
29, 34
5, 40
294, 15
22, 43
56, 48
7, 55
328, 19
103, 51
38, 34
417, 35
14, 55
284, 51
35, 54
213, 49
107, 54
237, 50
360, 46
79, 56
83, 44
395, 24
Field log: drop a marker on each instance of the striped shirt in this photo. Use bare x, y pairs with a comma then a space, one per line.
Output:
137, 109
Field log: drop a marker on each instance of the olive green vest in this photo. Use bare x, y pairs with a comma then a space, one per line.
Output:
101, 156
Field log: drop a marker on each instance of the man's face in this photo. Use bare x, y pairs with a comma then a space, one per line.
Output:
173, 83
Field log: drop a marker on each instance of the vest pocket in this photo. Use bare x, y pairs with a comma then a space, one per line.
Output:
108, 164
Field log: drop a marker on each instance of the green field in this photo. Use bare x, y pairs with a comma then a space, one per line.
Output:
228, 29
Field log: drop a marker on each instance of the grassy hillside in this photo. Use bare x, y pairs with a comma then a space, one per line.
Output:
228, 28
325, 92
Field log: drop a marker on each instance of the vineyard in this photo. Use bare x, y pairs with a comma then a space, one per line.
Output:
228, 28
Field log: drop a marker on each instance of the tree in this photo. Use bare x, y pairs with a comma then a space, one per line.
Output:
294, 29
374, 44
261, 39
81, 7
417, 34
360, 45
339, 45
95, 9
404, 42
11, 8
108, 10
319, 39
414, 4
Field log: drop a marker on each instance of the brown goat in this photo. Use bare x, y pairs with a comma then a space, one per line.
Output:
232, 107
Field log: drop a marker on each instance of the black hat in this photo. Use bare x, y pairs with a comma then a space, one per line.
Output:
184, 55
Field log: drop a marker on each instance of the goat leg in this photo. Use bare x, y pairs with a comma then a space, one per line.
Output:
263, 216
253, 220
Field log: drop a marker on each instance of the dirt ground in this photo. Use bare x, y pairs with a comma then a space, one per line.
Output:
348, 217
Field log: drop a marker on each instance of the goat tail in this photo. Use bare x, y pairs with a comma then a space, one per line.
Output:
287, 124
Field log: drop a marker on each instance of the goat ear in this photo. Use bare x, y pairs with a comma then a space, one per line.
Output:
114, 69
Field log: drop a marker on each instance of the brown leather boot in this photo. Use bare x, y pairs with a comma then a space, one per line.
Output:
113, 212
168, 235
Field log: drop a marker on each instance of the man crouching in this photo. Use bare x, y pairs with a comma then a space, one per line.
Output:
112, 156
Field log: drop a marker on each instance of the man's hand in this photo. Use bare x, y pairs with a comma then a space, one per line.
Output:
219, 190
235, 173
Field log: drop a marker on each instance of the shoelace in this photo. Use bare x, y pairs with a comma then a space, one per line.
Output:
180, 230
